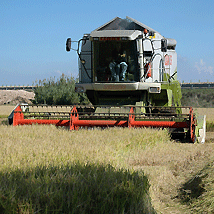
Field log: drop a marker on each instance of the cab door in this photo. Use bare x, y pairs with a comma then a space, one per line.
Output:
85, 62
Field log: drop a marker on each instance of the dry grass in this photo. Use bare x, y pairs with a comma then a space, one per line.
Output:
167, 164
168, 167
5, 110
198, 192
55, 146
209, 112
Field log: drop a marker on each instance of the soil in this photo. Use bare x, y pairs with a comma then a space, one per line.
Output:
14, 97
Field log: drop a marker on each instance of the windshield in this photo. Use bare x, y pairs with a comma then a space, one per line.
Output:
115, 61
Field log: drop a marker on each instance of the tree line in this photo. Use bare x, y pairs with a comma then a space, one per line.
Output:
58, 92
61, 91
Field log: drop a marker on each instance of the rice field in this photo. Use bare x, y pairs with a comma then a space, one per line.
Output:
163, 165
46, 158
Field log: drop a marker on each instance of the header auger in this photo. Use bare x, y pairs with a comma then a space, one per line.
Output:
129, 73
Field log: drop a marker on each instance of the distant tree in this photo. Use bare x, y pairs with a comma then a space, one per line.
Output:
58, 92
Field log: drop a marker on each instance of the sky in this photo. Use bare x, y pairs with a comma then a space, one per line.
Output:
33, 34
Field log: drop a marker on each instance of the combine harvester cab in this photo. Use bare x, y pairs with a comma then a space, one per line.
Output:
129, 73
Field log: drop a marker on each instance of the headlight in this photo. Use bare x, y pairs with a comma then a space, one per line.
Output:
154, 90
79, 89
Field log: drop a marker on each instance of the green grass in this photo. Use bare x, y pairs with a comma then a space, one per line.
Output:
3, 116
210, 126
4, 122
3, 119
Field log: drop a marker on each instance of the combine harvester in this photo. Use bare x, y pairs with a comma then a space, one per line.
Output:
129, 73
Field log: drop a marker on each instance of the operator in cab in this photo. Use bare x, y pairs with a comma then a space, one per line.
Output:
118, 66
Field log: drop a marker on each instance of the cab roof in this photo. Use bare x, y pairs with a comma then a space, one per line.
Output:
124, 24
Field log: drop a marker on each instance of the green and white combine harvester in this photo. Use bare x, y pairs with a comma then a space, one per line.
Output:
129, 73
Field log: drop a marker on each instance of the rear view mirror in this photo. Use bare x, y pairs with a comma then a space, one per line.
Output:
68, 44
163, 45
